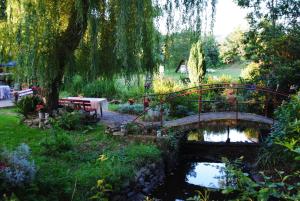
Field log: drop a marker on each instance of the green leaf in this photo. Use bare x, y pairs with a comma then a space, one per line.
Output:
227, 190
263, 194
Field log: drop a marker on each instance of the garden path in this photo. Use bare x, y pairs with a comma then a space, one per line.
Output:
115, 119
6, 103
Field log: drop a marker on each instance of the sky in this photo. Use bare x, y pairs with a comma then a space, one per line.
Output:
228, 17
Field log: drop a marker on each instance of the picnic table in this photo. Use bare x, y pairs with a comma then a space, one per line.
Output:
4, 92
100, 104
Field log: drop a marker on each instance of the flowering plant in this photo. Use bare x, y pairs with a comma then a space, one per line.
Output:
131, 101
16, 169
40, 108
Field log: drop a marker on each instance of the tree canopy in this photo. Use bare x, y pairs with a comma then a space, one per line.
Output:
52, 39
273, 41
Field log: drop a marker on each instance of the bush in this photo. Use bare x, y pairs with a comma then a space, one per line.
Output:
131, 109
133, 129
16, 169
100, 88
250, 72
77, 84
181, 111
57, 143
126, 93
69, 120
27, 104
166, 85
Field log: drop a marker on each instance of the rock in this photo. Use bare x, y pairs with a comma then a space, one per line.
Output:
118, 133
35, 122
115, 101
130, 194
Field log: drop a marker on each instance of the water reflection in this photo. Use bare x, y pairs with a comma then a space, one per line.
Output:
225, 134
210, 175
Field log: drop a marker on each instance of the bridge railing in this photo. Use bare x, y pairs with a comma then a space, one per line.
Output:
213, 98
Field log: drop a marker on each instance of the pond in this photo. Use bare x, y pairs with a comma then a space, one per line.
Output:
201, 172
228, 131
191, 176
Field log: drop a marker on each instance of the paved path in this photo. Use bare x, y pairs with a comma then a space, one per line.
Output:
6, 103
115, 119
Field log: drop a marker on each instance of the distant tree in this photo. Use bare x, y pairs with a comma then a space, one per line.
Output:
196, 63
273, 41
211, 51
232, 49
177, 48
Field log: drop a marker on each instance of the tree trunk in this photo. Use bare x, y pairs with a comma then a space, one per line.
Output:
66, 44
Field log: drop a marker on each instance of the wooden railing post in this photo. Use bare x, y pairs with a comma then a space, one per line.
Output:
161, 112
266, 104
199, 104
237, 104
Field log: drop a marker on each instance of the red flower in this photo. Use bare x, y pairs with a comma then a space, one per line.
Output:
39, 107
131, 101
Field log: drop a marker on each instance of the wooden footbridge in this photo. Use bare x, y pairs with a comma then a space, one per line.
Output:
230, 101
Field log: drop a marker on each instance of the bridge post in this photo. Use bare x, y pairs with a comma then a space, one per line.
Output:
266, 104
199, 104
161, 113
236, 104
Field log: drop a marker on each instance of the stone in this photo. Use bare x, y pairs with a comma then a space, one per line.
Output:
118, 133
130, 194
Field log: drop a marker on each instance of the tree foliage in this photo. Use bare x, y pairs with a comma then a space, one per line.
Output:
196, 63
211, 51
232, 49
53, 40
274, 41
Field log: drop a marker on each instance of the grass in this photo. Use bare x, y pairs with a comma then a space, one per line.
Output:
232, 70
59, 174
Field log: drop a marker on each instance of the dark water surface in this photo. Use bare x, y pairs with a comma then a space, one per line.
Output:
222, 131
191, 177
201, 174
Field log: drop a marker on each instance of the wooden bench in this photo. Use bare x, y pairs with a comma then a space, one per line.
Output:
20, 94
78, 105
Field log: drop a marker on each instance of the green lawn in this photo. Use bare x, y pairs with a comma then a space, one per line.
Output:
232, 70
78, 169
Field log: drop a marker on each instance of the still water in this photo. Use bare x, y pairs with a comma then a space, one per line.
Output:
202, 174
193, 176
243, 132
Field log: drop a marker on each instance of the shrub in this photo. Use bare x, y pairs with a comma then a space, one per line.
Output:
196, 63
16, 169
181, 111
166, 85
133, 128
69, 120
100, 88
250, 72
131, 109
57, 143
27, 104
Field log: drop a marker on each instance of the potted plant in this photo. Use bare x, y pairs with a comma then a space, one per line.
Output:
40, 108
131, 101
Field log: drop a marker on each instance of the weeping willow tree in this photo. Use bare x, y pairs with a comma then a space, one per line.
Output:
193, 18
95, 38
117, 35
